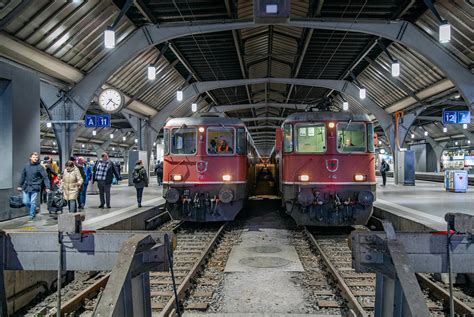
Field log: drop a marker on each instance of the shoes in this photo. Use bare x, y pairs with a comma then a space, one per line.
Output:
101, 207
108, 207
139, 205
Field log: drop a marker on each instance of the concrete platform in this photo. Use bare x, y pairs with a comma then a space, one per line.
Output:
123, 203
425, 203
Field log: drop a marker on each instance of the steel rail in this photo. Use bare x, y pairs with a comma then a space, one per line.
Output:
169, 309
345, 290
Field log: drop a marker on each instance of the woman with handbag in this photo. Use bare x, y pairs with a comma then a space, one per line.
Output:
71, 183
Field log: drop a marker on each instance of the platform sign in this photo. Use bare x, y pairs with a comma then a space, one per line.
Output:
464, 117
90, 121
97, 121
103, 121
450, 117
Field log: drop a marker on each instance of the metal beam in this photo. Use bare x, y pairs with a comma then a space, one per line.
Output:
263, 127
342, 86
227, 108
262, 118
402, 32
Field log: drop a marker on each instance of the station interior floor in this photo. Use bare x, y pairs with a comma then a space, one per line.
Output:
122, 196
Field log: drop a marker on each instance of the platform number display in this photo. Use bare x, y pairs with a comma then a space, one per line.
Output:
97, 121
464, 117
450, 117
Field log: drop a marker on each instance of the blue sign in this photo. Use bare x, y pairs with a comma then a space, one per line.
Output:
97, 121
464, 117
90, 121
450, 117
103, 121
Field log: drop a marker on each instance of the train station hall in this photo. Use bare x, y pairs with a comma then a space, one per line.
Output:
236, 158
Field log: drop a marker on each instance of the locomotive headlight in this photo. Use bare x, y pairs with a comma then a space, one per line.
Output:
303, 178
360, 177
201, 129
226, 178
331, 125
177, 178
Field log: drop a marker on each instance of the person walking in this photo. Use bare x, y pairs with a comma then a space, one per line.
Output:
83, 169
140, 180
104, 172
159, 172
51, 175
32, 176
384, 168
71, 183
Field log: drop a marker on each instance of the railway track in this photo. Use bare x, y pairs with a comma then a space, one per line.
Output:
359, 288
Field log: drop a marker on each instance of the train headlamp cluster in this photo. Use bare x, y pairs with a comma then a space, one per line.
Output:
360, 177
201, 129
331, 125
177, 178
226, 178
303, 178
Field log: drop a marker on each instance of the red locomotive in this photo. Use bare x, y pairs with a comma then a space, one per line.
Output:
327, 168
205, 167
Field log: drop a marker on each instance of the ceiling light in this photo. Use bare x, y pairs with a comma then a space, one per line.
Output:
456, 143
445, 129
136, 140
469, 141
179, 95
395, 68
464, 126
362, 93
111, 135
382, 151
113, 149
380, 142
49, 124
194, 107
124, 138
94, 132
444, 32
345, 105
154, 143
151, 72
426, 133
412, 136
83, 145
109, 38
54, 142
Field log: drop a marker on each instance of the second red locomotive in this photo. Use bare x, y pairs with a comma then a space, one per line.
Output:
327, 168
205, 167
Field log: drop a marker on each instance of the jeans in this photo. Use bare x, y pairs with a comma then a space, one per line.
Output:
139, 195
384, 178
82, 196
29, 199
104, 193
72, 205
159, 180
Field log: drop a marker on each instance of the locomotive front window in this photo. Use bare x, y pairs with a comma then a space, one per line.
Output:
166, 141
287, 138
311, 138
351, 137
183, 141
220, 141
370, 137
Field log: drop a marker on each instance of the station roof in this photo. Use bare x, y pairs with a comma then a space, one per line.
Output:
69, 35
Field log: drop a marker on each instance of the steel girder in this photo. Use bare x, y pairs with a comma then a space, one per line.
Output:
342, 86
227, 108
403, 32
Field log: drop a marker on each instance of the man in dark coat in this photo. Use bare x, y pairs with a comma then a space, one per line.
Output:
104, 172
32, 176
159, 172
384, 168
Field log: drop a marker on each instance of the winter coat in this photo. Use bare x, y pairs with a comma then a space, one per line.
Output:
144, 182
32, 176
71, 183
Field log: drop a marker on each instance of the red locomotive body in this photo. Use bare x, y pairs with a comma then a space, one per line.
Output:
327, 168
205, 168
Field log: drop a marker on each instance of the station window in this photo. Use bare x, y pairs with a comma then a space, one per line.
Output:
351, 137
287, 138
370, 137
311, 138
166, 141
183, 141
241, 141
220, 141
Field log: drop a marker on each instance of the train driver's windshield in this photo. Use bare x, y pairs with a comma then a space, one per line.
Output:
351, 137
183, 141
311, 138
220, 141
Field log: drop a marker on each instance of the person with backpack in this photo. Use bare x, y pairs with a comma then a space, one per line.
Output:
384, 168
71, 183
140, 180
32, 176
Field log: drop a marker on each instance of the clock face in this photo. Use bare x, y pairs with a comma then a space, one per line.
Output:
110, 100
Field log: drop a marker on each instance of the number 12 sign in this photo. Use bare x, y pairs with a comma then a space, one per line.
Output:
450, 117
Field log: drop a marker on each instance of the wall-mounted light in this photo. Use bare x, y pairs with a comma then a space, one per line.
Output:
109, 38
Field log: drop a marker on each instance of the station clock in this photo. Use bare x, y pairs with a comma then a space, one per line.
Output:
111, 100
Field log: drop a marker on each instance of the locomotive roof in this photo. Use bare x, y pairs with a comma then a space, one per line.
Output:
205, 119
326, 115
